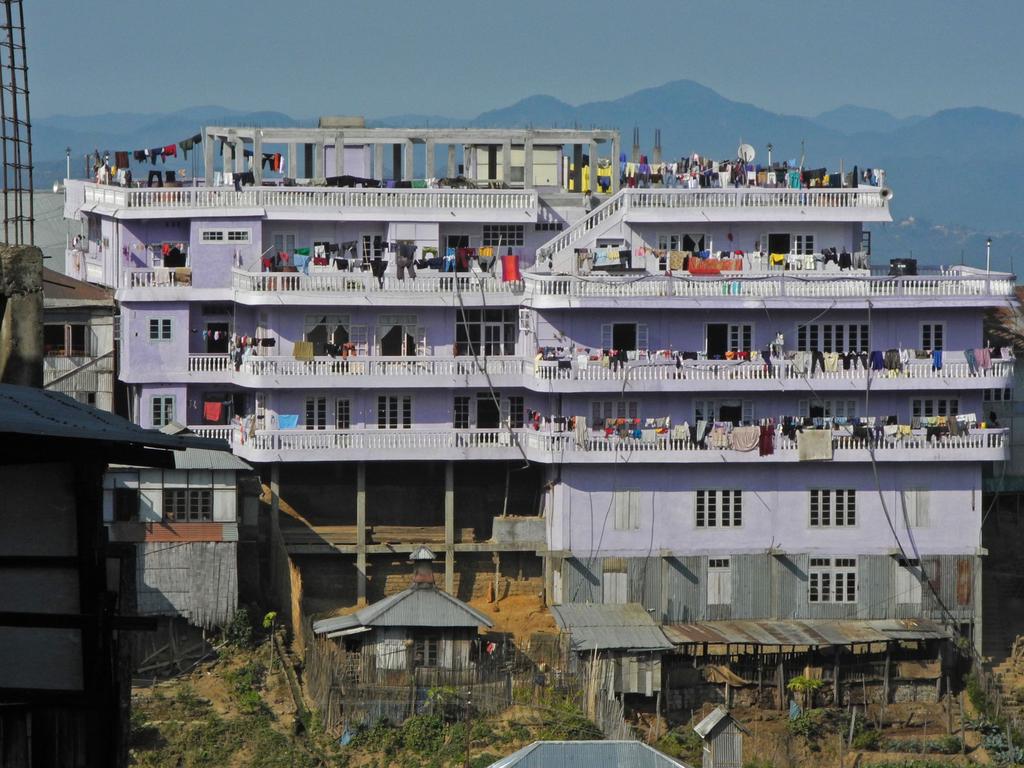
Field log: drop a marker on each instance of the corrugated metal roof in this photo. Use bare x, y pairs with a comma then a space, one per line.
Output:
607, 626
202, 458
587, 754
39, 412
718, 716
812, 633
422, 605
58, 287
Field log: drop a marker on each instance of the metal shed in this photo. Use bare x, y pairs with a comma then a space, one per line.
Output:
723, 739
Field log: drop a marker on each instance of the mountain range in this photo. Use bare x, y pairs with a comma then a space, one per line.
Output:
956, 169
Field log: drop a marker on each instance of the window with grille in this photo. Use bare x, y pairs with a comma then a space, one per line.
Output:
549, 226
343, 414
394, 412
833, 337
719, 509
503, 234
602, 410
486, 331
802, 244
188, 505
934, 406
832, 580
460, 412
516, 412
627, 510
932, 335
215, 236
161, 410
425, 651
316, 413
833, 508
159, 329
719, 581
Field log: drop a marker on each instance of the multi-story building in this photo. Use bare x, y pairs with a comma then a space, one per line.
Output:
695, 391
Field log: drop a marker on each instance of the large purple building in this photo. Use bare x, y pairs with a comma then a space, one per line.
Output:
689, 384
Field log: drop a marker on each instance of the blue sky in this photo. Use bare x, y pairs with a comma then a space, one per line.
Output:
460, 57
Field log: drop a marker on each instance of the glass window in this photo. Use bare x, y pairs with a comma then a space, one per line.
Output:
160, 329
719, 509
161, 410
501, 235
833, 508
343, 414
832, 580
394, 412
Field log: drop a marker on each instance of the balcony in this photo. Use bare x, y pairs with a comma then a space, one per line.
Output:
362, 287
372, 372
593, 448
774, 288
567, 376
321, 203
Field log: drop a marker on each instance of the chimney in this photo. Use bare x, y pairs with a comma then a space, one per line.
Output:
423, 567
21, 315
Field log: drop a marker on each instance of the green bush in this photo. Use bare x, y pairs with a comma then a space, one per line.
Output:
682, 742
238, 631
867, 741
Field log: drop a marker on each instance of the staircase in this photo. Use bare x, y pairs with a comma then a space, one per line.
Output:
558, 250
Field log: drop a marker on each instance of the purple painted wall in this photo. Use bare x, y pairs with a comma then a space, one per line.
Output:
142, 358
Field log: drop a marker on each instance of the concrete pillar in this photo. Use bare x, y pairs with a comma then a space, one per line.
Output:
577, 168
318, 160
257, 156
616, 151
408, 166
361, 532
339, 154
208, 159
451, 161
292, 171
506, 162
239, 155
378, 162
396, 161
428, 163
528, 182
449, 527
225, 156
593, 168
21, 315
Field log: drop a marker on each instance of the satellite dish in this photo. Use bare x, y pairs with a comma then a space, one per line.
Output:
746, 153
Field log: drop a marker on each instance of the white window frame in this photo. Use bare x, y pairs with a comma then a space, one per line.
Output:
164, 328
740, 336
225, 236
1003, 394
409, 328
673, 241
840, 407
703, 408
825, 337
719, 581
401, 407
832, 507
600, 410
802, 244
318, 405
718, 508
342, 413
284, 242
197, 506
627, 510
168, 405
832, 580
462, 412
923, 407
932, 332
643, 335
502, 235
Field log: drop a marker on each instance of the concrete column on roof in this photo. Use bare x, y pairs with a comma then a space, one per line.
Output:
225, 156
208, 159
292, 170
528, 181
239, 155
451, 161
506, 162
449, 527
408, 166
257, 156
593, 168
361, 532
318, 160
616, 151
428, 160
339, 154
378, 161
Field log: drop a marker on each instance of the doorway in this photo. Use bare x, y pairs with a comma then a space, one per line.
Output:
778, 243
717, 340
397, 342
217, 338
624, 336
488, 412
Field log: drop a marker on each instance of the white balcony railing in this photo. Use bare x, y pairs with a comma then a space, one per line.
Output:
313, 198
357, 366
358, 283
547, 447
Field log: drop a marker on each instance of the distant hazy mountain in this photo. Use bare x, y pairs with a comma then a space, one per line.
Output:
958, 167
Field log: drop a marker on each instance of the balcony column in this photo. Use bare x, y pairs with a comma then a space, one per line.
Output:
408, 167
292, 171
378, 162
593, 168
257, 156
528, 182
339, 154
361, 532
449, 527
239, 155
616, 151
318, 160
208, 159
506, 162
428, 162
451, 161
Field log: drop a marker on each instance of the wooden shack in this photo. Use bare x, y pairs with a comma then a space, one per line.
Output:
722, 736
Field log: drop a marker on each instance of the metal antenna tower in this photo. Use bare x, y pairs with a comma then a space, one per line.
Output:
15, 128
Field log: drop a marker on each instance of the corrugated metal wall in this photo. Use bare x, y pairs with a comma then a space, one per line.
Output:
775, 586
